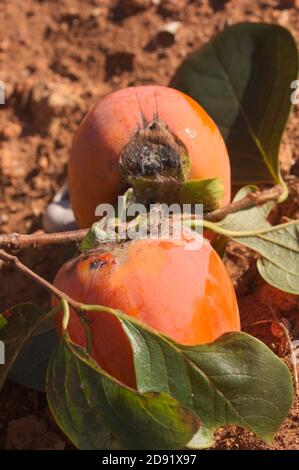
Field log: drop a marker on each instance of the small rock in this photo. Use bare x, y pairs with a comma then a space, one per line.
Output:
171, 27
5, 161
64, 27
166, 35
48, 101
8, 91
13, 209
3, 219
10, 165
37, 183
4, 44
284, 18
26, 72
43, 163
51, 99
36, 209
11, 130
96, 12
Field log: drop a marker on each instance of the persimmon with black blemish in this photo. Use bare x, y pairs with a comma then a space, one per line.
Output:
177, 287
148, 137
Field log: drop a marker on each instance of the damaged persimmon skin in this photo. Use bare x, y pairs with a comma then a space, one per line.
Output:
151, 132
177, 287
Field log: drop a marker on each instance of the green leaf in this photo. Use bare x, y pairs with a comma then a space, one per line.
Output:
88, 405
201, 191
234, 380
207, 191
22, 322
3, 321
30, 367
94, 236
278, 246
254, 218
241, 79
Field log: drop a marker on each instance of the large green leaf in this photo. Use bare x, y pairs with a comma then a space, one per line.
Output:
88, 404
30, 367
278, 246
242, 78
235, 380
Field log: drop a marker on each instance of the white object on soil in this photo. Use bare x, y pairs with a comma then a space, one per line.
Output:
59, 216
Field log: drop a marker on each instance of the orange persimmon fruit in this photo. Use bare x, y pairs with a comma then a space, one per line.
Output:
178, 287
145, 132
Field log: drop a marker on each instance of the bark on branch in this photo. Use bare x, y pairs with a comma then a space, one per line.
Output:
16, 241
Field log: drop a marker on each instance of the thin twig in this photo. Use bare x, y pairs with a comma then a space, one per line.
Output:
252, 199
15, 241
11, 260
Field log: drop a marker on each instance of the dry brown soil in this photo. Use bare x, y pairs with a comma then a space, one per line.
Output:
56, 58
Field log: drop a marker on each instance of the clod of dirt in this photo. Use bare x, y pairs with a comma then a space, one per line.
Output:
3, 220
10, 164
171, 8
31, 433
126, 8
49, 101
218, 4
118, 63
4, 44
10, 130
165, 36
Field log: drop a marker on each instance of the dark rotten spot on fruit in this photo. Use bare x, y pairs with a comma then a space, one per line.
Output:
97, 263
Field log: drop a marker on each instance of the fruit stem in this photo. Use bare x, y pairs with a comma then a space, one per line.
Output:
11, 260
284, 191
66, 315
193, 223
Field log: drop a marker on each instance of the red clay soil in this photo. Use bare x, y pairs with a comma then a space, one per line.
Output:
56, 58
